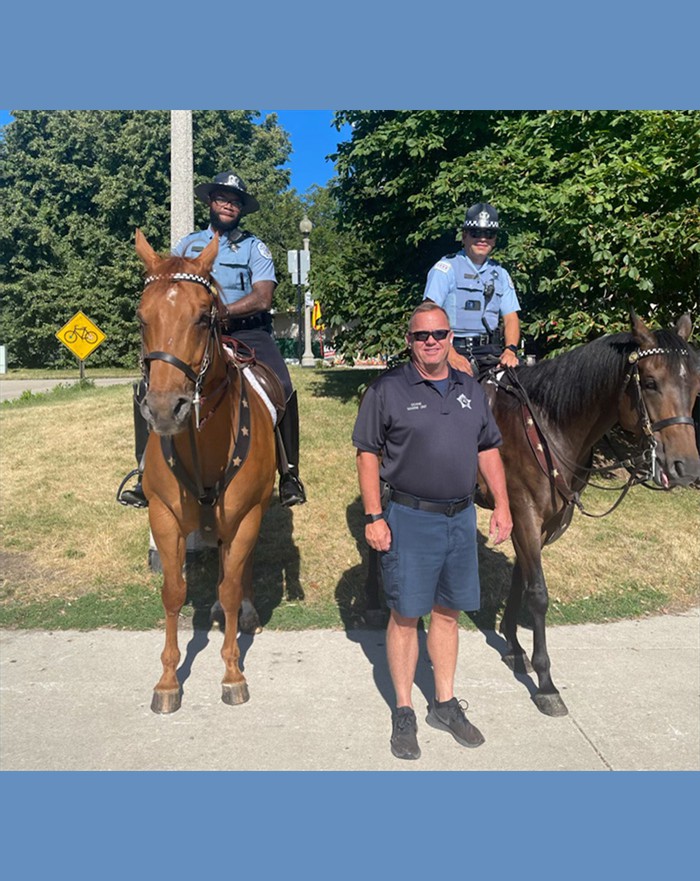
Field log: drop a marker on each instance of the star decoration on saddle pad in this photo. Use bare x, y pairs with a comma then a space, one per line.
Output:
171, 462
244, 431
244, 402
236, 462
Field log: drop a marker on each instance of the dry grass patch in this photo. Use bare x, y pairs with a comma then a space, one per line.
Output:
63, 534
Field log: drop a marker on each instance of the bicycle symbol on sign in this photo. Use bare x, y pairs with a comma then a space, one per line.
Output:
80, 333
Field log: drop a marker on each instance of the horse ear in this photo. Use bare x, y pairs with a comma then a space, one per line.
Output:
641, 333
684, 327
206, 259
148, 256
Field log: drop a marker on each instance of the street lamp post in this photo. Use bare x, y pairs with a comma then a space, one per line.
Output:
307, 360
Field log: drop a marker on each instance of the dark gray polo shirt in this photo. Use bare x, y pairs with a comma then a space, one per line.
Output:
429, 443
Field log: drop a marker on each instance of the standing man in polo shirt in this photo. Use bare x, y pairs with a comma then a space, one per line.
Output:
423, 428
246, 273
475, 291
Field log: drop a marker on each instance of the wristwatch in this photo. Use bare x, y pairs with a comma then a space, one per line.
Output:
513, 348
372, 518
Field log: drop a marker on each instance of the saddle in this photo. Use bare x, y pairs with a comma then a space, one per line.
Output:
243, 357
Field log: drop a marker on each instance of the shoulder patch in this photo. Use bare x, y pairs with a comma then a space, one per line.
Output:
442, 266
264, 250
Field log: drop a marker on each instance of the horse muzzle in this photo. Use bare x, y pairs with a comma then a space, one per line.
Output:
166, 412
676, 472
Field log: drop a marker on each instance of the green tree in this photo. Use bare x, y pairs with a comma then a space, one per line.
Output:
74, 185
600, 212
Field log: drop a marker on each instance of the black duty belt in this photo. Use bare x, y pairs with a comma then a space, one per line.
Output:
470, 340
448, 508
260, 319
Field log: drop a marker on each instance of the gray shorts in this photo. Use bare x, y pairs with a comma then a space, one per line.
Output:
432, 561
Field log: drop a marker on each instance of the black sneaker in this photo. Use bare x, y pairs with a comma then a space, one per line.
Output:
451, 717
133, 497
291, 490
404, 744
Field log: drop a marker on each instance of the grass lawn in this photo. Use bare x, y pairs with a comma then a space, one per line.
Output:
72, 557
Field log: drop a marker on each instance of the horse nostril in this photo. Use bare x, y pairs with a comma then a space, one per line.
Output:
181, 406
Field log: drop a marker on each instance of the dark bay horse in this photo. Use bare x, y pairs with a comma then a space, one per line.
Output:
210, 460
551, 415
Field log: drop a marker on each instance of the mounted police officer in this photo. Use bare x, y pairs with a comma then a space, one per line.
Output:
475, 291
246, 273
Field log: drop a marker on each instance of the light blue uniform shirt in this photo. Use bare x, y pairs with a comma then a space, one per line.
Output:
238, 265
467, 292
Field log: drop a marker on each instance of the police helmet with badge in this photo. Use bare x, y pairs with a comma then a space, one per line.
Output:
481, 216
228, 181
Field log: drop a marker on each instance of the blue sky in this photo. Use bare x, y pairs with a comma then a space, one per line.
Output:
313, 138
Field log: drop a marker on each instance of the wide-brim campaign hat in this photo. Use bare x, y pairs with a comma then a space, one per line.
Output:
231, 182
481, 216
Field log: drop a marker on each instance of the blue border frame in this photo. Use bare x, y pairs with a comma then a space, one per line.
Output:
506, 55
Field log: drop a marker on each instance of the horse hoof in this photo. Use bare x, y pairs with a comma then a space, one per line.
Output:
518, 663
550, 704
166, 701
248, 621
235, 694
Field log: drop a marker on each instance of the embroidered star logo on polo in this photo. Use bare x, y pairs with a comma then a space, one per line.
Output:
465, 401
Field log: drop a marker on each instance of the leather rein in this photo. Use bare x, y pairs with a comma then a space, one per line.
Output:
642, 467
206, 496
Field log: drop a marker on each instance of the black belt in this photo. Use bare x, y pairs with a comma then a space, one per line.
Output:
260, 319
448, 508
469, 341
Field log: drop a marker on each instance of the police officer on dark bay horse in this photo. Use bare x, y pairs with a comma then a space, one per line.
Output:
475, 291
246, 273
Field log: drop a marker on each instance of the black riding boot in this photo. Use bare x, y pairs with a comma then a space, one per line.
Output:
291, 489
135, 496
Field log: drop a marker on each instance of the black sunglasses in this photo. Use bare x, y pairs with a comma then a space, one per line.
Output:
482, 233
424, 335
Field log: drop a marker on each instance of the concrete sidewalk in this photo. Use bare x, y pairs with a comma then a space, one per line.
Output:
320, 701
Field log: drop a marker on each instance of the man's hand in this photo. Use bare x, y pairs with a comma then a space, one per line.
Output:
459, 362
378, 535
501, 524
508, 358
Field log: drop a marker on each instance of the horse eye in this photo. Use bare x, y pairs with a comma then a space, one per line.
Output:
650, 384
203, 319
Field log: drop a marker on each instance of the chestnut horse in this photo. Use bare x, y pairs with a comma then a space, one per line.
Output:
551, 415
210, 459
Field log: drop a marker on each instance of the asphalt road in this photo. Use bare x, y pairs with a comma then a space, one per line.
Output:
320, 700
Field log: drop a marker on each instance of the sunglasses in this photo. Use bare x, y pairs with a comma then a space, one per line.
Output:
482, 233
424, 335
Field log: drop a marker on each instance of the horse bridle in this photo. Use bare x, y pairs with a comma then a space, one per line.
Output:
647, 426
641, 467
215, 314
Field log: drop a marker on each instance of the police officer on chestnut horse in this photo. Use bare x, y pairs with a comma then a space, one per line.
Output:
245, 271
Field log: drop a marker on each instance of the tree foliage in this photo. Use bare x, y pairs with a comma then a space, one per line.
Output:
600, 211
74, 185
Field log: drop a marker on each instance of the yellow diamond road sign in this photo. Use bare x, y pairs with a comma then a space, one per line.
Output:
81, 336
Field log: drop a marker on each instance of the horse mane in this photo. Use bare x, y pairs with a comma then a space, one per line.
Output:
574, 382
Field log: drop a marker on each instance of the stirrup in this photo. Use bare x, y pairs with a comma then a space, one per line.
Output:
291, 490
134, 498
